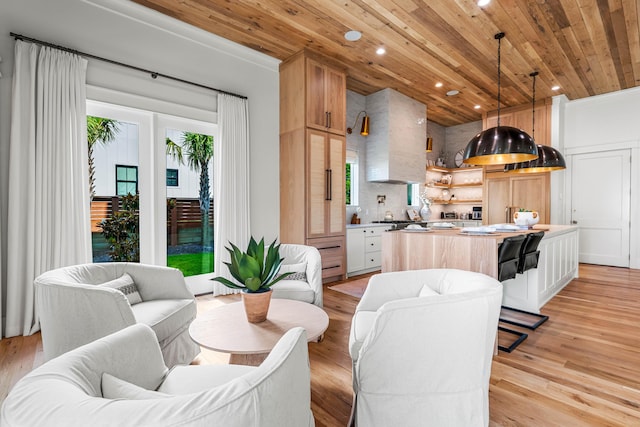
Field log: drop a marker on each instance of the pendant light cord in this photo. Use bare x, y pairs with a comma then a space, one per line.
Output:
533, 106
499, 37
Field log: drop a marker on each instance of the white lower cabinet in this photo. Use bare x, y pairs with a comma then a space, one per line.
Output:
364, 249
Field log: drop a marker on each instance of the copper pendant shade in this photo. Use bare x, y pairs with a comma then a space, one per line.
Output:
549, 159
501, 144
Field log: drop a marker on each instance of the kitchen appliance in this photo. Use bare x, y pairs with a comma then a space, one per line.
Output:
476, 212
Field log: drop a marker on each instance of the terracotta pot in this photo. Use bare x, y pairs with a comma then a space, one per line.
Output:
256, 305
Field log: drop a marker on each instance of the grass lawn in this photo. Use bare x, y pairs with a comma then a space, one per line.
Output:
192, 264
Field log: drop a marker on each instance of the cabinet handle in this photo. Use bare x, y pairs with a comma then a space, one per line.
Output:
330, 185
328, 119
371, 244
329, 247
326, 184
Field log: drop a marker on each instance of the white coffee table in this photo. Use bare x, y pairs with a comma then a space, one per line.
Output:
226, 329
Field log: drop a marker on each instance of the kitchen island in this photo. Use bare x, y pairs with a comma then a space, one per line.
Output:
450, 248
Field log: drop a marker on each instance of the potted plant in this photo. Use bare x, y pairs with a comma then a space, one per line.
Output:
255, 273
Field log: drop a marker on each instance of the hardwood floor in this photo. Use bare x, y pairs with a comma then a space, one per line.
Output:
580, 368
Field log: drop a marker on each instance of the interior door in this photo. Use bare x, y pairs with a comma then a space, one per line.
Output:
600, 206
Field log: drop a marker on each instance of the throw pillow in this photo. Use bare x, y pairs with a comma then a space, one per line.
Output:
115, 388
125, 285
299, 271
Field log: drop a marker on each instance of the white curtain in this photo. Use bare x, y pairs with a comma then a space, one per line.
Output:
48, 212
231, 184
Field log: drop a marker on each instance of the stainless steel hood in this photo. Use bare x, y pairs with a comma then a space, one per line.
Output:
395, 147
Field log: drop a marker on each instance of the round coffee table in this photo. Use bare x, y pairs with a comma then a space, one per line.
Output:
226, 329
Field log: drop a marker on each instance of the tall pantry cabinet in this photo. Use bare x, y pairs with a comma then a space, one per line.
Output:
312, 159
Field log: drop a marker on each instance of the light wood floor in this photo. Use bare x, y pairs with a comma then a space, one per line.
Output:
580, 368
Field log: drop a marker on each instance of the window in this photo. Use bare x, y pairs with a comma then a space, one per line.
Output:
126, 180
413, 195
351, 178
172, 177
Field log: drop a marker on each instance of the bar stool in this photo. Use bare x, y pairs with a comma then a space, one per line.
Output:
528, 259
508, 259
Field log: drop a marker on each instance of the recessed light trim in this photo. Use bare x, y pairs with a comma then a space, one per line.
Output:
453, 92
381, 51
556, 87
352, 35
439, 84
483, 3
477, 107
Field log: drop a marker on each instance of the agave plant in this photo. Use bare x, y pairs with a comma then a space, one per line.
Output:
253, 271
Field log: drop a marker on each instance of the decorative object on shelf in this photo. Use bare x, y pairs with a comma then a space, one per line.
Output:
525, 218
501, 144
549, 159
255, 273
364, 130
425, 210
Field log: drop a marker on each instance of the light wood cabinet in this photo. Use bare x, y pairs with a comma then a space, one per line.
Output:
312, 159
326, 98
505, 193
325, 184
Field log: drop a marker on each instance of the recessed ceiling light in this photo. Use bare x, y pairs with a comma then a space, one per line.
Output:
381, 51
352, 35
453, 92
482, 3
439, 84
556, 87
477, 107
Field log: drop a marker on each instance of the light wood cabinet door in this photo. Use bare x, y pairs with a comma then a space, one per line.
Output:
326, 98
326, 184
505, 194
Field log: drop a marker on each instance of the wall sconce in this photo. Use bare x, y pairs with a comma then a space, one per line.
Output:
364, 130
429, 144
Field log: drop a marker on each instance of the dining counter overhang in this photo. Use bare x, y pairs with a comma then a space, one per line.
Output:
450, 248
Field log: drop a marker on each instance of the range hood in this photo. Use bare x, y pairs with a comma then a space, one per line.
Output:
395, 150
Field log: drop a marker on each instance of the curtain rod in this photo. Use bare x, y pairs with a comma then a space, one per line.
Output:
153, 74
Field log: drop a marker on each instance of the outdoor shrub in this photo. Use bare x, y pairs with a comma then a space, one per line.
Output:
122, 231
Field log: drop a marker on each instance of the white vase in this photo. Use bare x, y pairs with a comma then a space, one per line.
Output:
425, 213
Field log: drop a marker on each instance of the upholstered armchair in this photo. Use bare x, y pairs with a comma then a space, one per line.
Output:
306, 282
422, 343
81, 303
122, 380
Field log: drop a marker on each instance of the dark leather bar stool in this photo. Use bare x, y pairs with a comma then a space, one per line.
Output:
508, 259
528, 259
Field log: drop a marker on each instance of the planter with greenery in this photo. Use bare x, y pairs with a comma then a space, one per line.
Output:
255, 273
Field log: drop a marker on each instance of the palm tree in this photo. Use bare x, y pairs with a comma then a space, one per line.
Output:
198, 151
100, 130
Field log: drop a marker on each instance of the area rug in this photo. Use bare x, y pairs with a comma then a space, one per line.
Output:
354, 287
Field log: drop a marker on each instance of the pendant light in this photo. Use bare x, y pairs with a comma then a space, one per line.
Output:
549, 159
501, 144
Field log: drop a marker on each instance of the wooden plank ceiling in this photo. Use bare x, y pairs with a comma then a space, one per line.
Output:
587, 47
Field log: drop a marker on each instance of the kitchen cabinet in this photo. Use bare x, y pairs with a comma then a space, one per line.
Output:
326, 98
312, 95
506, 193
364, 249
325, 184
312, 159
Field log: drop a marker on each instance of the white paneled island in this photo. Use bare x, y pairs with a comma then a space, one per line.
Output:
557, 266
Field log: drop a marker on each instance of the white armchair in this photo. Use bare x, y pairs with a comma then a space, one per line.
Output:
74, 309
300, 259
121, 380
422, 343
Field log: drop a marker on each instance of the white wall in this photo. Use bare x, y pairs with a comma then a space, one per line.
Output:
129, 33
601, 123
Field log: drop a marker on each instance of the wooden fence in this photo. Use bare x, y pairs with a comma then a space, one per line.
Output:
181, 214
